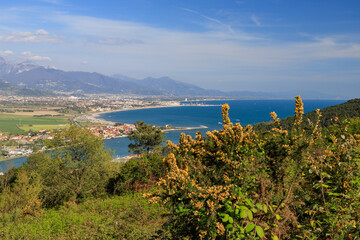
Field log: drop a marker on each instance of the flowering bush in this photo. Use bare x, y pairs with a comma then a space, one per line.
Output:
239, 184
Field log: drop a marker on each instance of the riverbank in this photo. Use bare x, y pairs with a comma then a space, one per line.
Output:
13, 157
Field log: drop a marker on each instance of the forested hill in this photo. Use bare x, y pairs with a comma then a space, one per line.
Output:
8, 89
330, 115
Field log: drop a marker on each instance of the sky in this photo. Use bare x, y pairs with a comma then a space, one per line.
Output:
244, 45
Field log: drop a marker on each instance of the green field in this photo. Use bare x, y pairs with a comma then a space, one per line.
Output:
36, 128
10, 123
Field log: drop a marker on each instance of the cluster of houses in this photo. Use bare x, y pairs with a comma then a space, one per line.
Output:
24, 141
112, 131
28, 138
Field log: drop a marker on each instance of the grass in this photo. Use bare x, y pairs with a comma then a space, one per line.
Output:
124, 217
36, 128
10, 123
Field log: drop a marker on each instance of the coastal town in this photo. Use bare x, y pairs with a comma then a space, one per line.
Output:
25, 144
26, 122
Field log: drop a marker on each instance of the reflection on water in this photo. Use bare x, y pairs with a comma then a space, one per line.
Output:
8, 164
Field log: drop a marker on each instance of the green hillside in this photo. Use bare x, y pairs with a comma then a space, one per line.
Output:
329, 116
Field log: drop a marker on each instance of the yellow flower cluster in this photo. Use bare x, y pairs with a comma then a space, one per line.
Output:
225, 114
220, 228
299, 110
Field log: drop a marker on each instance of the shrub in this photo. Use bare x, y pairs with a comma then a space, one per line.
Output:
138, 174
239, 184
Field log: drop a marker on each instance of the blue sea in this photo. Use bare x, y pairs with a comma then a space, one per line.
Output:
243, 111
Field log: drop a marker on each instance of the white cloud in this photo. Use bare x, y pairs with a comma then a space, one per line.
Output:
217, 47
119, 41
205, 56
6, 53
227, 26
255, 19
41, 32
39, 36
28, 55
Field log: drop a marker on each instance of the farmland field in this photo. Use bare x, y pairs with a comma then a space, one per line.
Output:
11, 123
28, 127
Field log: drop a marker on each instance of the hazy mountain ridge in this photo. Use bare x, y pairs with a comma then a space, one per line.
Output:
50, 79
8, 89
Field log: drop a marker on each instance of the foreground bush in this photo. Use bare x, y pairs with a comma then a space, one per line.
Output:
239, 184
76, 168
127, 217
137, 174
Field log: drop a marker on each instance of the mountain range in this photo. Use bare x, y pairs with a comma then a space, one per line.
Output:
8, 89
28, 75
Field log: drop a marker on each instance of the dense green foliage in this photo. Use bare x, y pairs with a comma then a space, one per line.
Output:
330, 115
77, 167
62, 193
138, 174
126, 217
239, 184
145, 137
236, 183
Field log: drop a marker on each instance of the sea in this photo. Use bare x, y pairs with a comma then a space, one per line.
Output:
198, 114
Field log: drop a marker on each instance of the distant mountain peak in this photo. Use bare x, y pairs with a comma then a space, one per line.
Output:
7, 67
27, 74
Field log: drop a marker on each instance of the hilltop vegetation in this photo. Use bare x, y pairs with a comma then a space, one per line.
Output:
236, 183
329, 116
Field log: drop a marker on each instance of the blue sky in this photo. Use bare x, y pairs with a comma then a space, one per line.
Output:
256, 45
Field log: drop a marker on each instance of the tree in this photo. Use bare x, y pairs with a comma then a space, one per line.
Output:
78, 166
146, 138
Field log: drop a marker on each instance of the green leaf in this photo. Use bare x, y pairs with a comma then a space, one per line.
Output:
231, 220
250, 215
259, 206
244, 212
265, 208
271, 209
228, 226
249, 202
225, 218
250, 227
312, 223
254, 210
237, 211
274, 237
259, 231
278, 217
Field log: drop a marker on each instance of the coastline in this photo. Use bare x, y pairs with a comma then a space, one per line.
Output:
14, 157
97, 118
